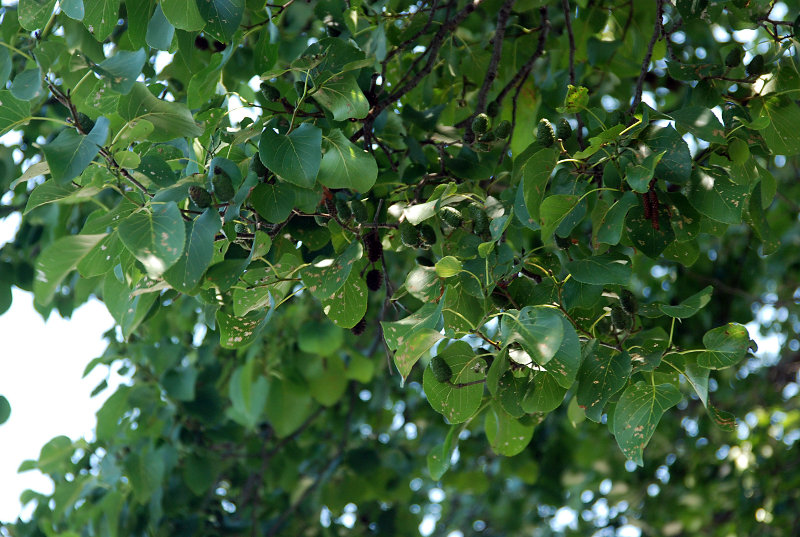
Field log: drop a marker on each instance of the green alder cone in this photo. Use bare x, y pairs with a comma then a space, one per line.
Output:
545, 134
628, 302
223, 186
200, 196
441, 371
359, 211
270, 92
756, 66
428, 234
451, 216
564, 131
258, 167
480, 124
503, 129
480, 222
734, 57
492, 109
620, 319
409, 235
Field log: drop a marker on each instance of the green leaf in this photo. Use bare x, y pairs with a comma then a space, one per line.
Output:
638, 412
51, 192
701, 122
56, 261
457, 404
342, 96
70, 153
448, 266
13, 112
544, 394
289, 404
101, 17
676, 164
507, 435
27, 85
533, 168
273, 201
439, 457
320, 338
327, 380
5, 66
183, 14
725, 346
248, 394
34, 14
690, 306
187, 272
122, 69
639, 175
346, 165
236, 332
604, 372
155, 236
601, 270
295, 157
5, 410
609, 228
128, 310
554, 210
414, 335
73, 9
327, 276
714, 195
171, 120
576, 100
348, 305
782, 135
651, 238
222, 17
204, 82
537, 328
159, 31
566, 362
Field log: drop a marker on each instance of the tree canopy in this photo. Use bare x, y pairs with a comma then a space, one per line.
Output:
374, 263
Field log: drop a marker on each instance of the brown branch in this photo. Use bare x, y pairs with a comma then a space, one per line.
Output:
637, 97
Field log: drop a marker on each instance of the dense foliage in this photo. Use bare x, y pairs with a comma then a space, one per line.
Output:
317, 223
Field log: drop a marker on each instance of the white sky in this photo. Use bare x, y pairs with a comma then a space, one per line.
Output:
40, 374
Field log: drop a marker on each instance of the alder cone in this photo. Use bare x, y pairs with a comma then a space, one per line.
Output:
200, 196
451, 216
564, 131
628, 302
373, 246
428, 234
360, 327
441, 371
374, 279
223, 187
620, 318
545, 134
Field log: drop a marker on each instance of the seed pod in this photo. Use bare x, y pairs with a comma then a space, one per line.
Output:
373, 246
409, 235
258, 167
756, 66
564, 130
427, 234
374, 279
492, 109
360, 327
628, 302
441, 371
734, 57
343, 210
223, 187
503, 129
563, 242
200, 196
480, 124
85, 122
359, 211
545, 134
620, 318
451, 216
270, 92
480, 222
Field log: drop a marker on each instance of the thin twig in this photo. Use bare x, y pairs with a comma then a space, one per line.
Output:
637, 96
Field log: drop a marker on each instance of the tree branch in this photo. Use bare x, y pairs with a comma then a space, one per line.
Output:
637, 96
